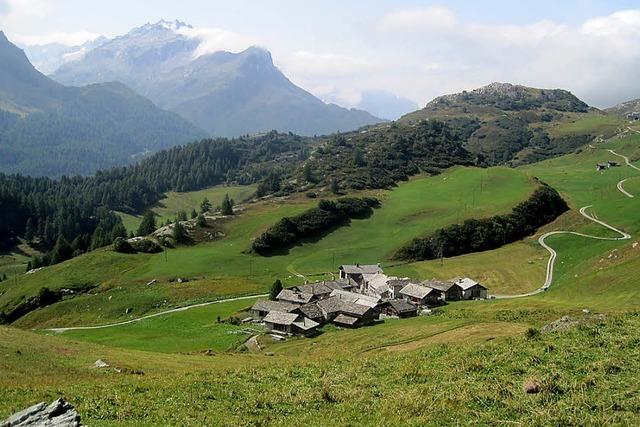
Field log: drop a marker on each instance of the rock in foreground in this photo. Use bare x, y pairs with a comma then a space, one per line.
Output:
60, 413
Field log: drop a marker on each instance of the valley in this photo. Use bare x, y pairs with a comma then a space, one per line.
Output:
192, 234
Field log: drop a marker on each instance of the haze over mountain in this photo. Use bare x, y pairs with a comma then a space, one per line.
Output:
227, 94
47, 58
385, 104
625, 108
49, 129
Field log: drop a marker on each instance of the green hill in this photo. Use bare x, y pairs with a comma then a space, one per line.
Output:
516, 124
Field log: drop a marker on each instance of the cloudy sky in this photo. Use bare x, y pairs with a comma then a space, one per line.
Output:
416, 49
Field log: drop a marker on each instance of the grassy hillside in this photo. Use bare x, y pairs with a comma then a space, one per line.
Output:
458, 376
223, 267
174, 202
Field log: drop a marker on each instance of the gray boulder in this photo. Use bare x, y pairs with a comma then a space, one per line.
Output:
60, 413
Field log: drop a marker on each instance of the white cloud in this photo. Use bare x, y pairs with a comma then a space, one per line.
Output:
217, 39
433, 18
597, 60
17, 9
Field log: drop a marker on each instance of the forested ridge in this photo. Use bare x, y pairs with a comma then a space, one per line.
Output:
79, 209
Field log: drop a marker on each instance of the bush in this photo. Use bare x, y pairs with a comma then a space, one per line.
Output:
313, 222
475, 235
146, 246
122, 246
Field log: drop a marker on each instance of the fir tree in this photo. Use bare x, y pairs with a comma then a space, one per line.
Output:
205, 206
61, 251
227, 206
148, 224
194, 214
29, 231
275, 289
179, 233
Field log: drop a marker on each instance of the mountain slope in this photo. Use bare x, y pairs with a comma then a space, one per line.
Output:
630, 109
515, 124
50, 129
225, 93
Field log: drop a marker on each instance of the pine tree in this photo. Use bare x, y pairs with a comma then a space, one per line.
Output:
335, 188
201, 221
118, 231
275, 289
194, 214
29, 231
61, 251
205, 206
182, 216
148, 224
179, 233
227, 206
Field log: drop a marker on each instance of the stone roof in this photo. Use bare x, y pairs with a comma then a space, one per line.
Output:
266, 305
280, 318
342, 319
289, 295
356, 298
336, 305
417, 291
310, 310
466, 283
305, 324
401, 306
440, 285
361, 269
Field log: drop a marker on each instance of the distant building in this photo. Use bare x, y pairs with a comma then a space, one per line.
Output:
263, 307
346, 313
400, 308
472, 289
451, 291
612, 163
294, 297
290, 324
359, 273
602, 166
421, 295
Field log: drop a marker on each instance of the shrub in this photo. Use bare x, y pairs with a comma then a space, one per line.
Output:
122, 246
146, 246
313, 222
475, 235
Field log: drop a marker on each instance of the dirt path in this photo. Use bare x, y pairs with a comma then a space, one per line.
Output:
162, 313
583, 211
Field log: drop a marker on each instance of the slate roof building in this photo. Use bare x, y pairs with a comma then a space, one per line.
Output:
400, 308
263, 307
294, 296
311, 311
359, 273
472, 289
356, 298
334, 306
421, 295
290, 323
451, 291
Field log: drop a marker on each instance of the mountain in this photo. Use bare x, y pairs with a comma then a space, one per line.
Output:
385, 105
628, 109
227, 94
49, 129
514, 124
49, 57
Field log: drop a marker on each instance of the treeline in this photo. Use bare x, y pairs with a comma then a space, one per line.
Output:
476, 235
313, 223
382, 156
75, 214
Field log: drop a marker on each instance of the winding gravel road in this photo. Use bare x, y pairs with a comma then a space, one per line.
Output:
161, 313
583, 211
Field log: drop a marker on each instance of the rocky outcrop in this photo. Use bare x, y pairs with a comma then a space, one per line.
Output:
60, 413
